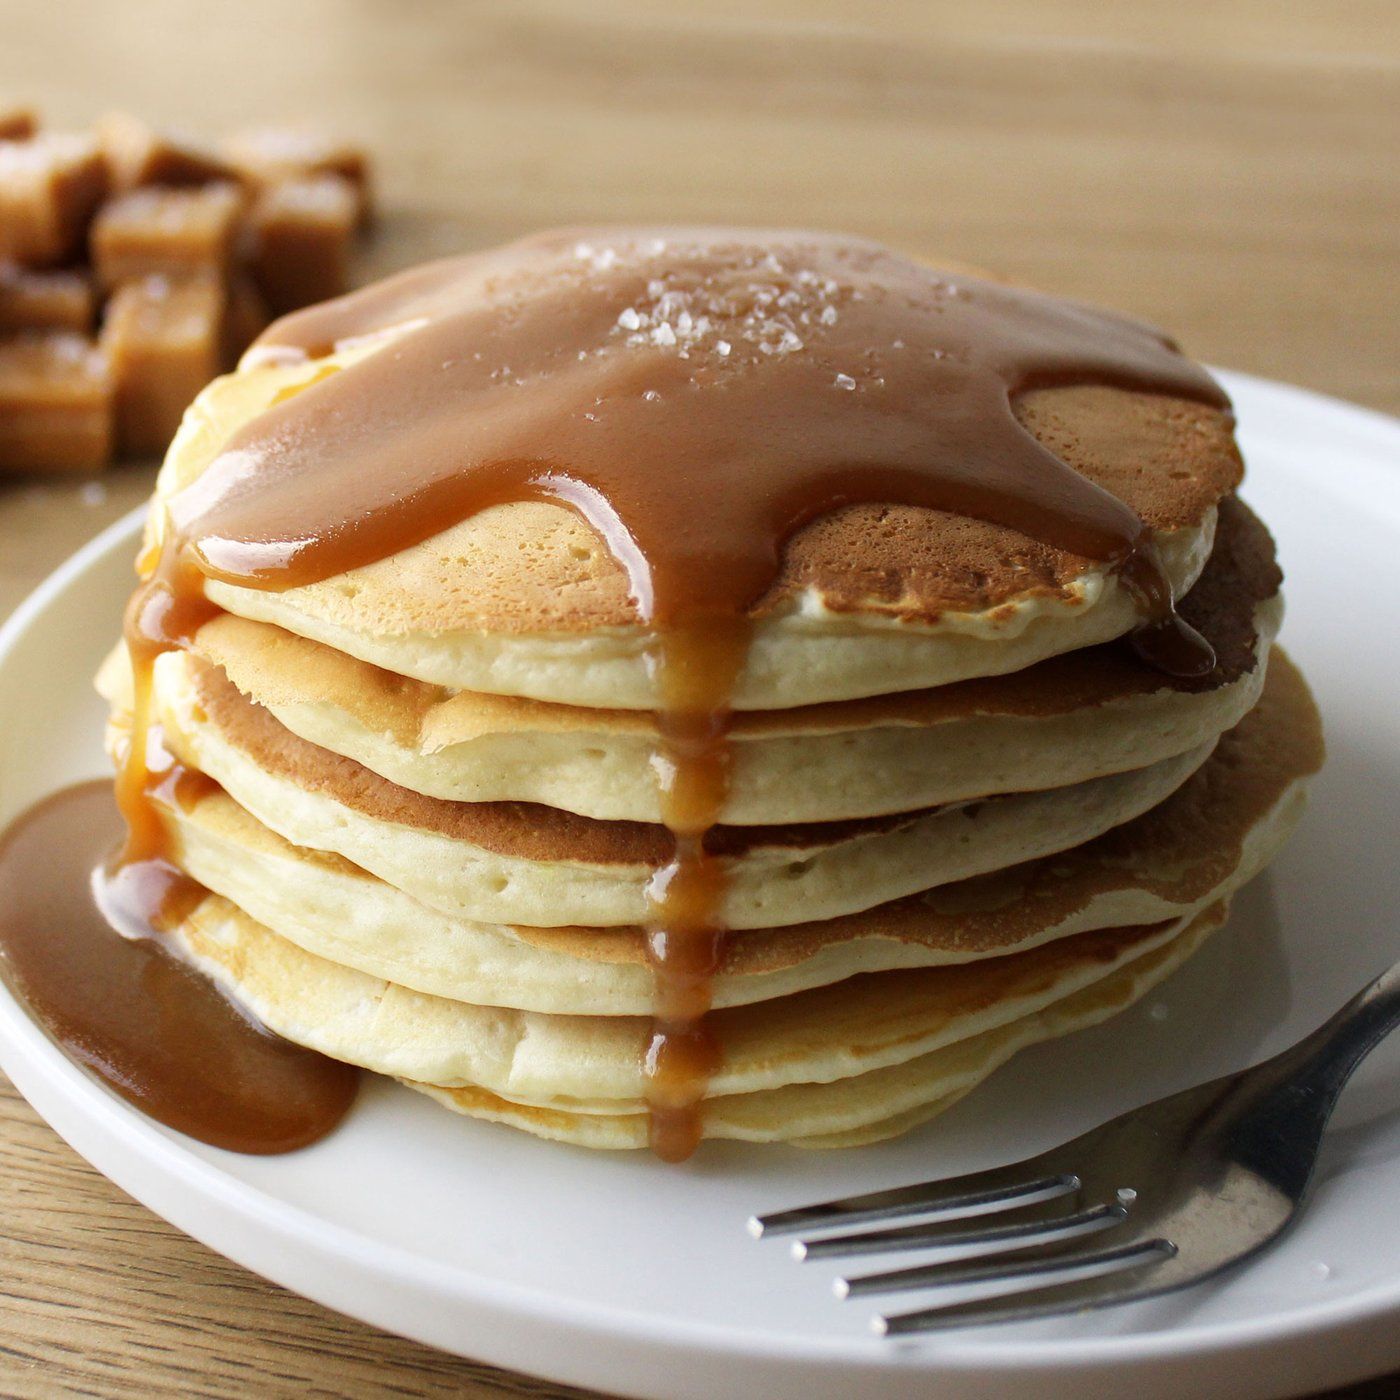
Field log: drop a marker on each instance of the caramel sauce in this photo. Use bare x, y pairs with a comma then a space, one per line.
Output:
84, 912
166, 610
697, 396
686, 934
80, 945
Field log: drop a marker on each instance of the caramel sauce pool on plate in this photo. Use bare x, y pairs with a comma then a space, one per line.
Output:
125, 1006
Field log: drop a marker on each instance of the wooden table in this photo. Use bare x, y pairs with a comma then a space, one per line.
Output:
1227, 170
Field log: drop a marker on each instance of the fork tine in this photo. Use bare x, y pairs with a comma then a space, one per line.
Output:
979, 1193
948, 1248
1100, 1268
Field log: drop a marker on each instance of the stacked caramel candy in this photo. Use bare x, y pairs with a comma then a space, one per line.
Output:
135, 267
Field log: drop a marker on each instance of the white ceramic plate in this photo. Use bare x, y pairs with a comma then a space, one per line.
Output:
617, 1272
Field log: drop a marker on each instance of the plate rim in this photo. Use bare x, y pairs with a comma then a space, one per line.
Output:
161, 1152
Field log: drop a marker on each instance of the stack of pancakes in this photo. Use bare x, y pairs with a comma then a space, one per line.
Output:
963, 815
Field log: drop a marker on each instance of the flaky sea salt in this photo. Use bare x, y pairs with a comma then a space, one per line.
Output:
696, 309
599, 259
844, 381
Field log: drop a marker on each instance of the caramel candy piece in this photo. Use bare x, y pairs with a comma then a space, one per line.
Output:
49, 189
164, 338
138, 155
166, 233
300, 238
55, 403
269, 155
44, 301
17, 123
245, 317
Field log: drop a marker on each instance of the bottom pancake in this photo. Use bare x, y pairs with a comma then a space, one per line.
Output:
871, 1107
836, 1060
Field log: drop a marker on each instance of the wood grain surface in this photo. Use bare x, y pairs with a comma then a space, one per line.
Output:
1225, 169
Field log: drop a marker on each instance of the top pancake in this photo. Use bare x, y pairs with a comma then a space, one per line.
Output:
525, 599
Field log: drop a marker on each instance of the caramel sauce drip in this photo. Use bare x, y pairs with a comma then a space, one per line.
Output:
166, 610
686, 933
81, 946
697, 396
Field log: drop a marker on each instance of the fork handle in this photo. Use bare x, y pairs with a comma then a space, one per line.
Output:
1323, 1061
1276, 1113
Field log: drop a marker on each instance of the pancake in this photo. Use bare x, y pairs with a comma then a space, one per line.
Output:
1199, 846
1064, 721
869, 1107
595, 1063
830, 1061
809, 656
518, 863
524, 598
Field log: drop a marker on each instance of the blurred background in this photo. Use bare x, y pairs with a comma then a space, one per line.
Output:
1224, 167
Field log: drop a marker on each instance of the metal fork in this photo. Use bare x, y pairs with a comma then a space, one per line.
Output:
1182, 1188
